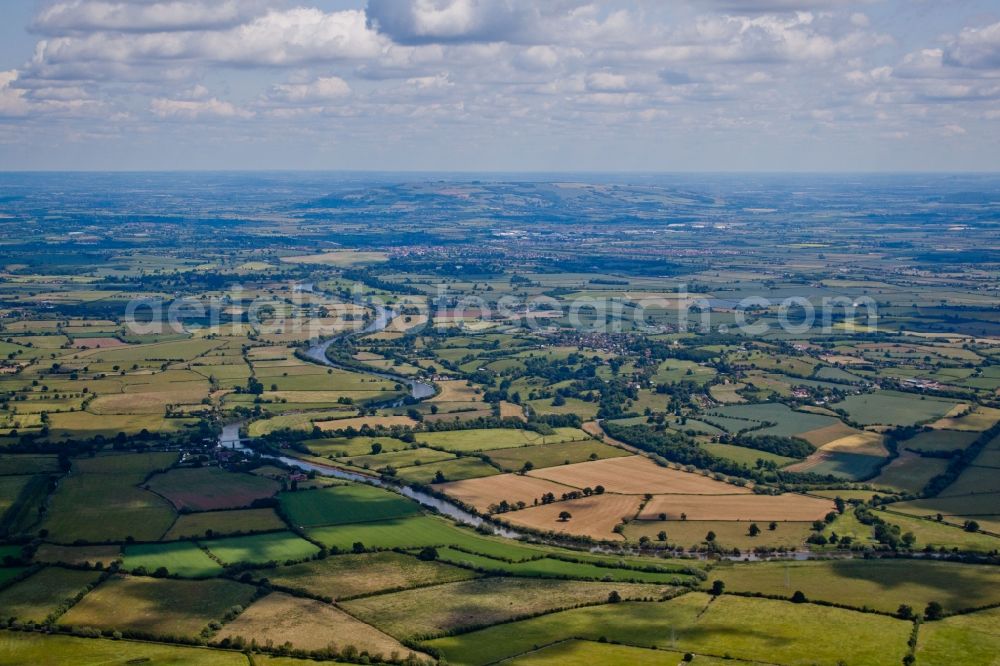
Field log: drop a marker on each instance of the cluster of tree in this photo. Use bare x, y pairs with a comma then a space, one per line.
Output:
791, 447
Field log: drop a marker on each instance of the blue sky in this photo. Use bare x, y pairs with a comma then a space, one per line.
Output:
502, 85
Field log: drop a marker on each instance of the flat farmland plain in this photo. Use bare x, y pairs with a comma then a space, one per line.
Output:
635, 475
789, 506
594, 516
156, 606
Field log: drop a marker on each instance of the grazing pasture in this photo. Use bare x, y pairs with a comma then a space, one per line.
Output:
909, 473
345, 576
338, 505
787, 507
405, 458
182, 558
308, 625
434, 610
496, 438
972, 638
551, 567
105, 486
260, 548
940, 440
30, 648
157, 606
879, 584
211, 488
635, 475
594, 516
890, 408
56, 554
452, 470
550, 455
588, 653
785, 633
215, 523
34, 598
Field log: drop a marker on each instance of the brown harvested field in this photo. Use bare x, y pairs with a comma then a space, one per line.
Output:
510, 410
224, 522
453, 606
484, 491
157, 606
981, 418
635, 475
456, 391
308, 624
97, 343
594, 516
210, 488
728, 533
52, 553
372, 421
867, 443
738, 507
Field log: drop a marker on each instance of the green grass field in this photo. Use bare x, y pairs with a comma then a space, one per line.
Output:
218, 523
940, 440
344, 504
106, 486
453, 470
442, 608
344, 576
879, 584
556, 568
35, 597
183, 558
749, 629
157, 606
56, 650
588, 653
937, 535
963, 639
496, 438
889, 408
404, 458
744, 455
260, 548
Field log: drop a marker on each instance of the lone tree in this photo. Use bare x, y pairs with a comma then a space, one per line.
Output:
904, 612
754, 530
564, 516
718, 587
971, 526
799, 597
614, 597
773, 526
428, 554
661, 536
934, 611
439, 477
710, 537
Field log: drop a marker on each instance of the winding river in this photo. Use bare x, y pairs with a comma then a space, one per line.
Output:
419, 390
383, 317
